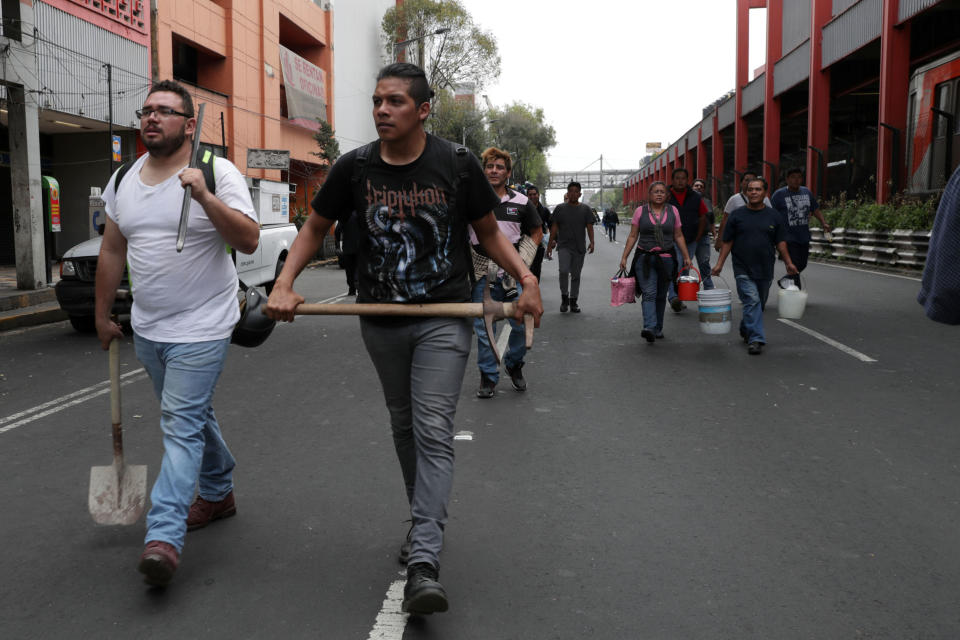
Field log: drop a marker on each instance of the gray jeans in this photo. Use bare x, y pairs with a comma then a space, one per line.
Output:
571, 264
421, 366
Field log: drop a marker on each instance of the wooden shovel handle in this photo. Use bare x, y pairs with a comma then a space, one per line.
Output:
442, 309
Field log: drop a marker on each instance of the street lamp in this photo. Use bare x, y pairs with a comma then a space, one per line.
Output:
403, 43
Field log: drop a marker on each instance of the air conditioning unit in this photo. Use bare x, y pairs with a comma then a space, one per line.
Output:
293, 187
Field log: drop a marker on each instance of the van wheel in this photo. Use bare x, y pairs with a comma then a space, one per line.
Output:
83, 324
268, 287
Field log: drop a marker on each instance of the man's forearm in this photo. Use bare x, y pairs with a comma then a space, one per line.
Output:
110, 267
304, 247
237, 230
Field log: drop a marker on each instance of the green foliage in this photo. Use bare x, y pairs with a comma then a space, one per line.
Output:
327, 141
465, 54
521, 130
459, 121
860, 213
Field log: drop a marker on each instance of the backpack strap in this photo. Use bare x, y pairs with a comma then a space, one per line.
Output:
122, 171
205, 162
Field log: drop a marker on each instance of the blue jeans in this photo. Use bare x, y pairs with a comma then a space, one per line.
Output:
753, 295
653, 290
420, 365
516, 344
184, 377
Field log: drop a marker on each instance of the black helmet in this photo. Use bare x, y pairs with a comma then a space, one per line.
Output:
254, 327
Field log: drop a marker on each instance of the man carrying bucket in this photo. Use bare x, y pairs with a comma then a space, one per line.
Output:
796, 204
751, 234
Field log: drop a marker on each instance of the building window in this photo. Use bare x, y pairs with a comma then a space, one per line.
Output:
198, 66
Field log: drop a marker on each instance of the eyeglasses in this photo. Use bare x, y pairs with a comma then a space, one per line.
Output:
161, 112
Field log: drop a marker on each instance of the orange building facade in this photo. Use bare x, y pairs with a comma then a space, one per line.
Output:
228, 53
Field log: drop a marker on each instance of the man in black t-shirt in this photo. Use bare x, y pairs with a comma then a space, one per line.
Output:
751, 235
416, 194
570, 221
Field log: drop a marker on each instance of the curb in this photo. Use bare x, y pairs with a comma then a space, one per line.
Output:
31, 316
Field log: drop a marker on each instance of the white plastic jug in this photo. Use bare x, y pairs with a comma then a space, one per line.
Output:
791, 301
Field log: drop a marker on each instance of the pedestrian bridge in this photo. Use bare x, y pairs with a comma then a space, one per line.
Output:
590, 179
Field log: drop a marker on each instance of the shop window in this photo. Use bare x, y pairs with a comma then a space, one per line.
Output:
198, 66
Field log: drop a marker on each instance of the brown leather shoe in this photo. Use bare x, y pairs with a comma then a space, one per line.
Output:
203, 512
158, 562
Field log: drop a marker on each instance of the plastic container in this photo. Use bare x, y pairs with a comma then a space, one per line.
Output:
716, 311
791, 299
688, 286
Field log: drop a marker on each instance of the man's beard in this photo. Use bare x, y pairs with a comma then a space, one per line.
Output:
165, 147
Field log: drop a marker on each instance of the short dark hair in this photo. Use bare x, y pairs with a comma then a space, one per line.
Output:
680, 170
793, 170
532, 187
574, 184
701, 181
177, 88
760, 179
656, 183
748, 172
418, 87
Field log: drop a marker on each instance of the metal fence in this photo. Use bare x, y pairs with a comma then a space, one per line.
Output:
898, 248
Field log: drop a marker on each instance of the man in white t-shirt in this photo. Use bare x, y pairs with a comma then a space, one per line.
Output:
184, 310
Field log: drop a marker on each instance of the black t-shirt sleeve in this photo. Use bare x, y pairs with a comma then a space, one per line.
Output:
529, 219
335, 198
477, 195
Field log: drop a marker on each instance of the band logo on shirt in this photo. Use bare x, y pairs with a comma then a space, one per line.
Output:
404, 202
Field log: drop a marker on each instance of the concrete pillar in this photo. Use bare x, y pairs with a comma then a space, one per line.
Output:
818, 97
771, 105
717, 160
894, 85
742, 78
701, 155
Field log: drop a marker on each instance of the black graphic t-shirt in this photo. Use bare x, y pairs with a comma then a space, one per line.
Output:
413, 243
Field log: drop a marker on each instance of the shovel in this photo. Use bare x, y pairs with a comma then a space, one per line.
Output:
117, 491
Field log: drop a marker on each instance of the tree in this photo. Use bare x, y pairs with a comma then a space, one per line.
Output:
327, 141
520, 129
462, 55
459, 121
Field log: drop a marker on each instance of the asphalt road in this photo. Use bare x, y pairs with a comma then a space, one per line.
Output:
670, 491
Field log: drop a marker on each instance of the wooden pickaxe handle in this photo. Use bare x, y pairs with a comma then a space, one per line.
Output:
437, 309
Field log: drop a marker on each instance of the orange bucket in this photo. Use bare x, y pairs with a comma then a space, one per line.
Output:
688, 286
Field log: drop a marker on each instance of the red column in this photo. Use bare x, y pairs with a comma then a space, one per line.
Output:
742, 77
818, 100
701, 155
894, 81
717, 160
771, 105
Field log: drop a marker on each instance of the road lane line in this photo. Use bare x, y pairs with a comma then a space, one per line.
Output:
830, 341
879, 273
391, 621
61, 404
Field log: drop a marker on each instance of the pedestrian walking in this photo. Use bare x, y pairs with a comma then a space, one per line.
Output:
796, 204
734, 202
657, 232
693, 218
751, 235
533, 194
519, 221
700, 186
940, 286
346, 235
569, 222
184, 311
416, 195
610, 222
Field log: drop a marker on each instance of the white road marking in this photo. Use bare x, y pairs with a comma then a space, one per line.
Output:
391, 621
67, 401
830, 341
879, 273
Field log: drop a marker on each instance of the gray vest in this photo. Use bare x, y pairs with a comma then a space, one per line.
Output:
650, 235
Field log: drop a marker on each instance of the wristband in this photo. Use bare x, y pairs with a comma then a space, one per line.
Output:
529, 275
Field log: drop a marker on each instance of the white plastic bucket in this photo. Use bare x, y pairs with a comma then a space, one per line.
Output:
791, 303
715, 311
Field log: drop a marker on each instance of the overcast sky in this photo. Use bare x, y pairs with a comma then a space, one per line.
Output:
612, 75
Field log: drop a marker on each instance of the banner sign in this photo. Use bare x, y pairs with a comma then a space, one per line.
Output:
116, 149
52, 194
268, 159
306, 87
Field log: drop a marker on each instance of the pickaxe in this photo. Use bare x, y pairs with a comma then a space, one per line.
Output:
490, 310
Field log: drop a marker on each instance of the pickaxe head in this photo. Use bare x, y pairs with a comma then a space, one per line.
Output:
492, 310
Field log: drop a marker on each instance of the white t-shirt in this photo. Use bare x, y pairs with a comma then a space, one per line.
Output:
737, 200
178, 297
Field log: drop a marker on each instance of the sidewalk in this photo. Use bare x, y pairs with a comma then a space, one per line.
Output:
26, 308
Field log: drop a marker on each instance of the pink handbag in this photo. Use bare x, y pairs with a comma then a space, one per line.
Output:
622, 289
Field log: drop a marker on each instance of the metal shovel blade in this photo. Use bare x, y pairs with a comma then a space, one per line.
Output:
117, 493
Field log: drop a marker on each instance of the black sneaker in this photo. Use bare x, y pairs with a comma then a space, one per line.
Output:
404, 554
487, 388
676, 305
423, 594
647, 335
516, 377
564, 304
746, 338
755, 348
573, 306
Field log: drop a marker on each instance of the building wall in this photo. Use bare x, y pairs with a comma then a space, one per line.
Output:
360, 54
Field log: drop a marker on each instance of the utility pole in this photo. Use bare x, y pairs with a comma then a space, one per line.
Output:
110, 112
601, 182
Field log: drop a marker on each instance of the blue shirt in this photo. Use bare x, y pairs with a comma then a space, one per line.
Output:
795, 207
755, 234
